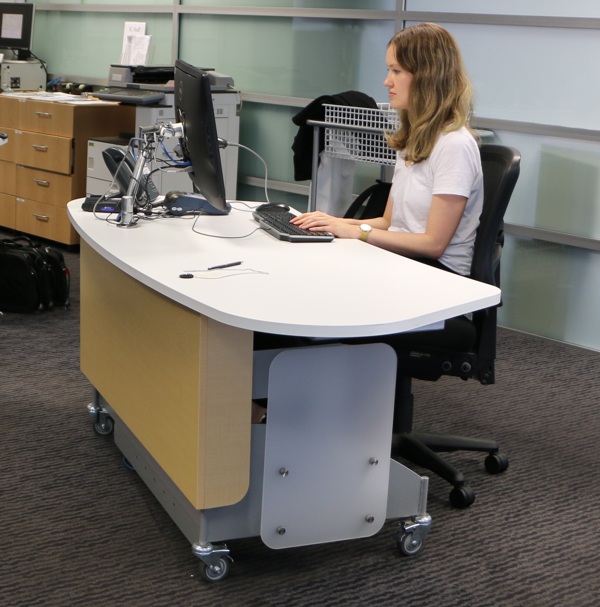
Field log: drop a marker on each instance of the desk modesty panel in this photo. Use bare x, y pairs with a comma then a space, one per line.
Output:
178, 379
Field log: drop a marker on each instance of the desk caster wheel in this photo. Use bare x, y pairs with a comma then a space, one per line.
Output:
104, 426
462, 497
409, 545
495, 463
216, 572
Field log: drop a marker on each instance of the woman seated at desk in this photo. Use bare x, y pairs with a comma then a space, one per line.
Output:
436, 197
435, 201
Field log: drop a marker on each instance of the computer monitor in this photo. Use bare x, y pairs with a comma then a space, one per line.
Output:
200, 143
16, 27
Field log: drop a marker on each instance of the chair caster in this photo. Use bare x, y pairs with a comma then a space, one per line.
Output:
495, 463
462, 497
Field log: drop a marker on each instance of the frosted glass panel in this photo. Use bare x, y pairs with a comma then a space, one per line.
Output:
294, 57
551, 290
363, 4
559, 184
132, 2
269, 131
526, 74
547, 8
90, 42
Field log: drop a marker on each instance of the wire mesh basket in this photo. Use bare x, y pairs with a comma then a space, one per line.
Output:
357, 133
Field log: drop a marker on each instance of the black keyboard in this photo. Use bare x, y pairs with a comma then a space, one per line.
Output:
277, 223
129, 95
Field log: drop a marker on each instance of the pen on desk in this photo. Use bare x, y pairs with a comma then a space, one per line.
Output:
226, 265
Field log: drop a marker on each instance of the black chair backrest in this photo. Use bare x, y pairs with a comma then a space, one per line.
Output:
501, 166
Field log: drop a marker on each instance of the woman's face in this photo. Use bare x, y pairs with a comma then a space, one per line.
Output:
398, 81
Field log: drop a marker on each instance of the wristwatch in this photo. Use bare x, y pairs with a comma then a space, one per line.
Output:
365, 228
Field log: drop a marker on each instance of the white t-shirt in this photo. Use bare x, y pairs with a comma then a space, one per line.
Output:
454, 167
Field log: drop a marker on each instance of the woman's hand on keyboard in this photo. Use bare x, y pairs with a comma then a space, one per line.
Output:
321, 222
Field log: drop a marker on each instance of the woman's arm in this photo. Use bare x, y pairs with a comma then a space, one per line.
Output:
442, 222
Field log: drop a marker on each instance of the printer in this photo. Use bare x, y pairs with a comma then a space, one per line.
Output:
160, 77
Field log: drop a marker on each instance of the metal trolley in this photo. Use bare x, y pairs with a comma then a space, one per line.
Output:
354, 133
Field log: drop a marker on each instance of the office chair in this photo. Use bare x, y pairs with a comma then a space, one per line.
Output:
465, 347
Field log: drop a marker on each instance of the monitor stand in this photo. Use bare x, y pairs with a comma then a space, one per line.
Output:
179, 203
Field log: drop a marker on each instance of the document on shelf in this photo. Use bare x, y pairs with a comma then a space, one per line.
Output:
136, 44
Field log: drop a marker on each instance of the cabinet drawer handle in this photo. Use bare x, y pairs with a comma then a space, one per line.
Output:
40, 148
43, 114
42, 182
41, 217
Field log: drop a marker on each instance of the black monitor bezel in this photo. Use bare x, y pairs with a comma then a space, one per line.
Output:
200, 142
27, 10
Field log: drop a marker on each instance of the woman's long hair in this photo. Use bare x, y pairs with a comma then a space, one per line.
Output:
440, 95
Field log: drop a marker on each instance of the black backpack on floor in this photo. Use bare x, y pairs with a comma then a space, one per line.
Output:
33, 277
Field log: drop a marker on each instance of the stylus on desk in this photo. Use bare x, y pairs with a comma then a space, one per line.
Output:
225, 265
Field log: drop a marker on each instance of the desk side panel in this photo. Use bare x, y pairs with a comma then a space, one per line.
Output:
179, 381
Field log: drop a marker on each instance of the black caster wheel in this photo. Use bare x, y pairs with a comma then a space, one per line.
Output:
104, 427
462, 497
215, 573
408, 545
495, 463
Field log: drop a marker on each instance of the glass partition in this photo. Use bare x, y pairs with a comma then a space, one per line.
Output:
90, 42
294, 57
523, 74
559, 184
341, 4
129, 2
267, 130
547, 8
551, 290
547, 288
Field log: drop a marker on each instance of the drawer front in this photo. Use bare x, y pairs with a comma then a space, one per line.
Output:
7, 177
44, 186
8, 112
46, 152
7, 211
46, 117
44, 220
7, 151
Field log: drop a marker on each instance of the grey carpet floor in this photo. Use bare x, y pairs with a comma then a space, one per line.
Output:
77, 528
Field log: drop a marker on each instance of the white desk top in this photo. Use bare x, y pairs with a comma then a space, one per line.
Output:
344, 288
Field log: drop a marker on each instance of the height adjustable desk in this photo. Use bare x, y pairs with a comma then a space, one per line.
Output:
173, 364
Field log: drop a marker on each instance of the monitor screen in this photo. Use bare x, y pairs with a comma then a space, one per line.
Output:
200, 143
16, 25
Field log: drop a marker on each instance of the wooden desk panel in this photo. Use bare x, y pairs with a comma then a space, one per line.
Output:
170, 374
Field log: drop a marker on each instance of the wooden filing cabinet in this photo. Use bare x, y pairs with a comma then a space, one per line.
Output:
43, 165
